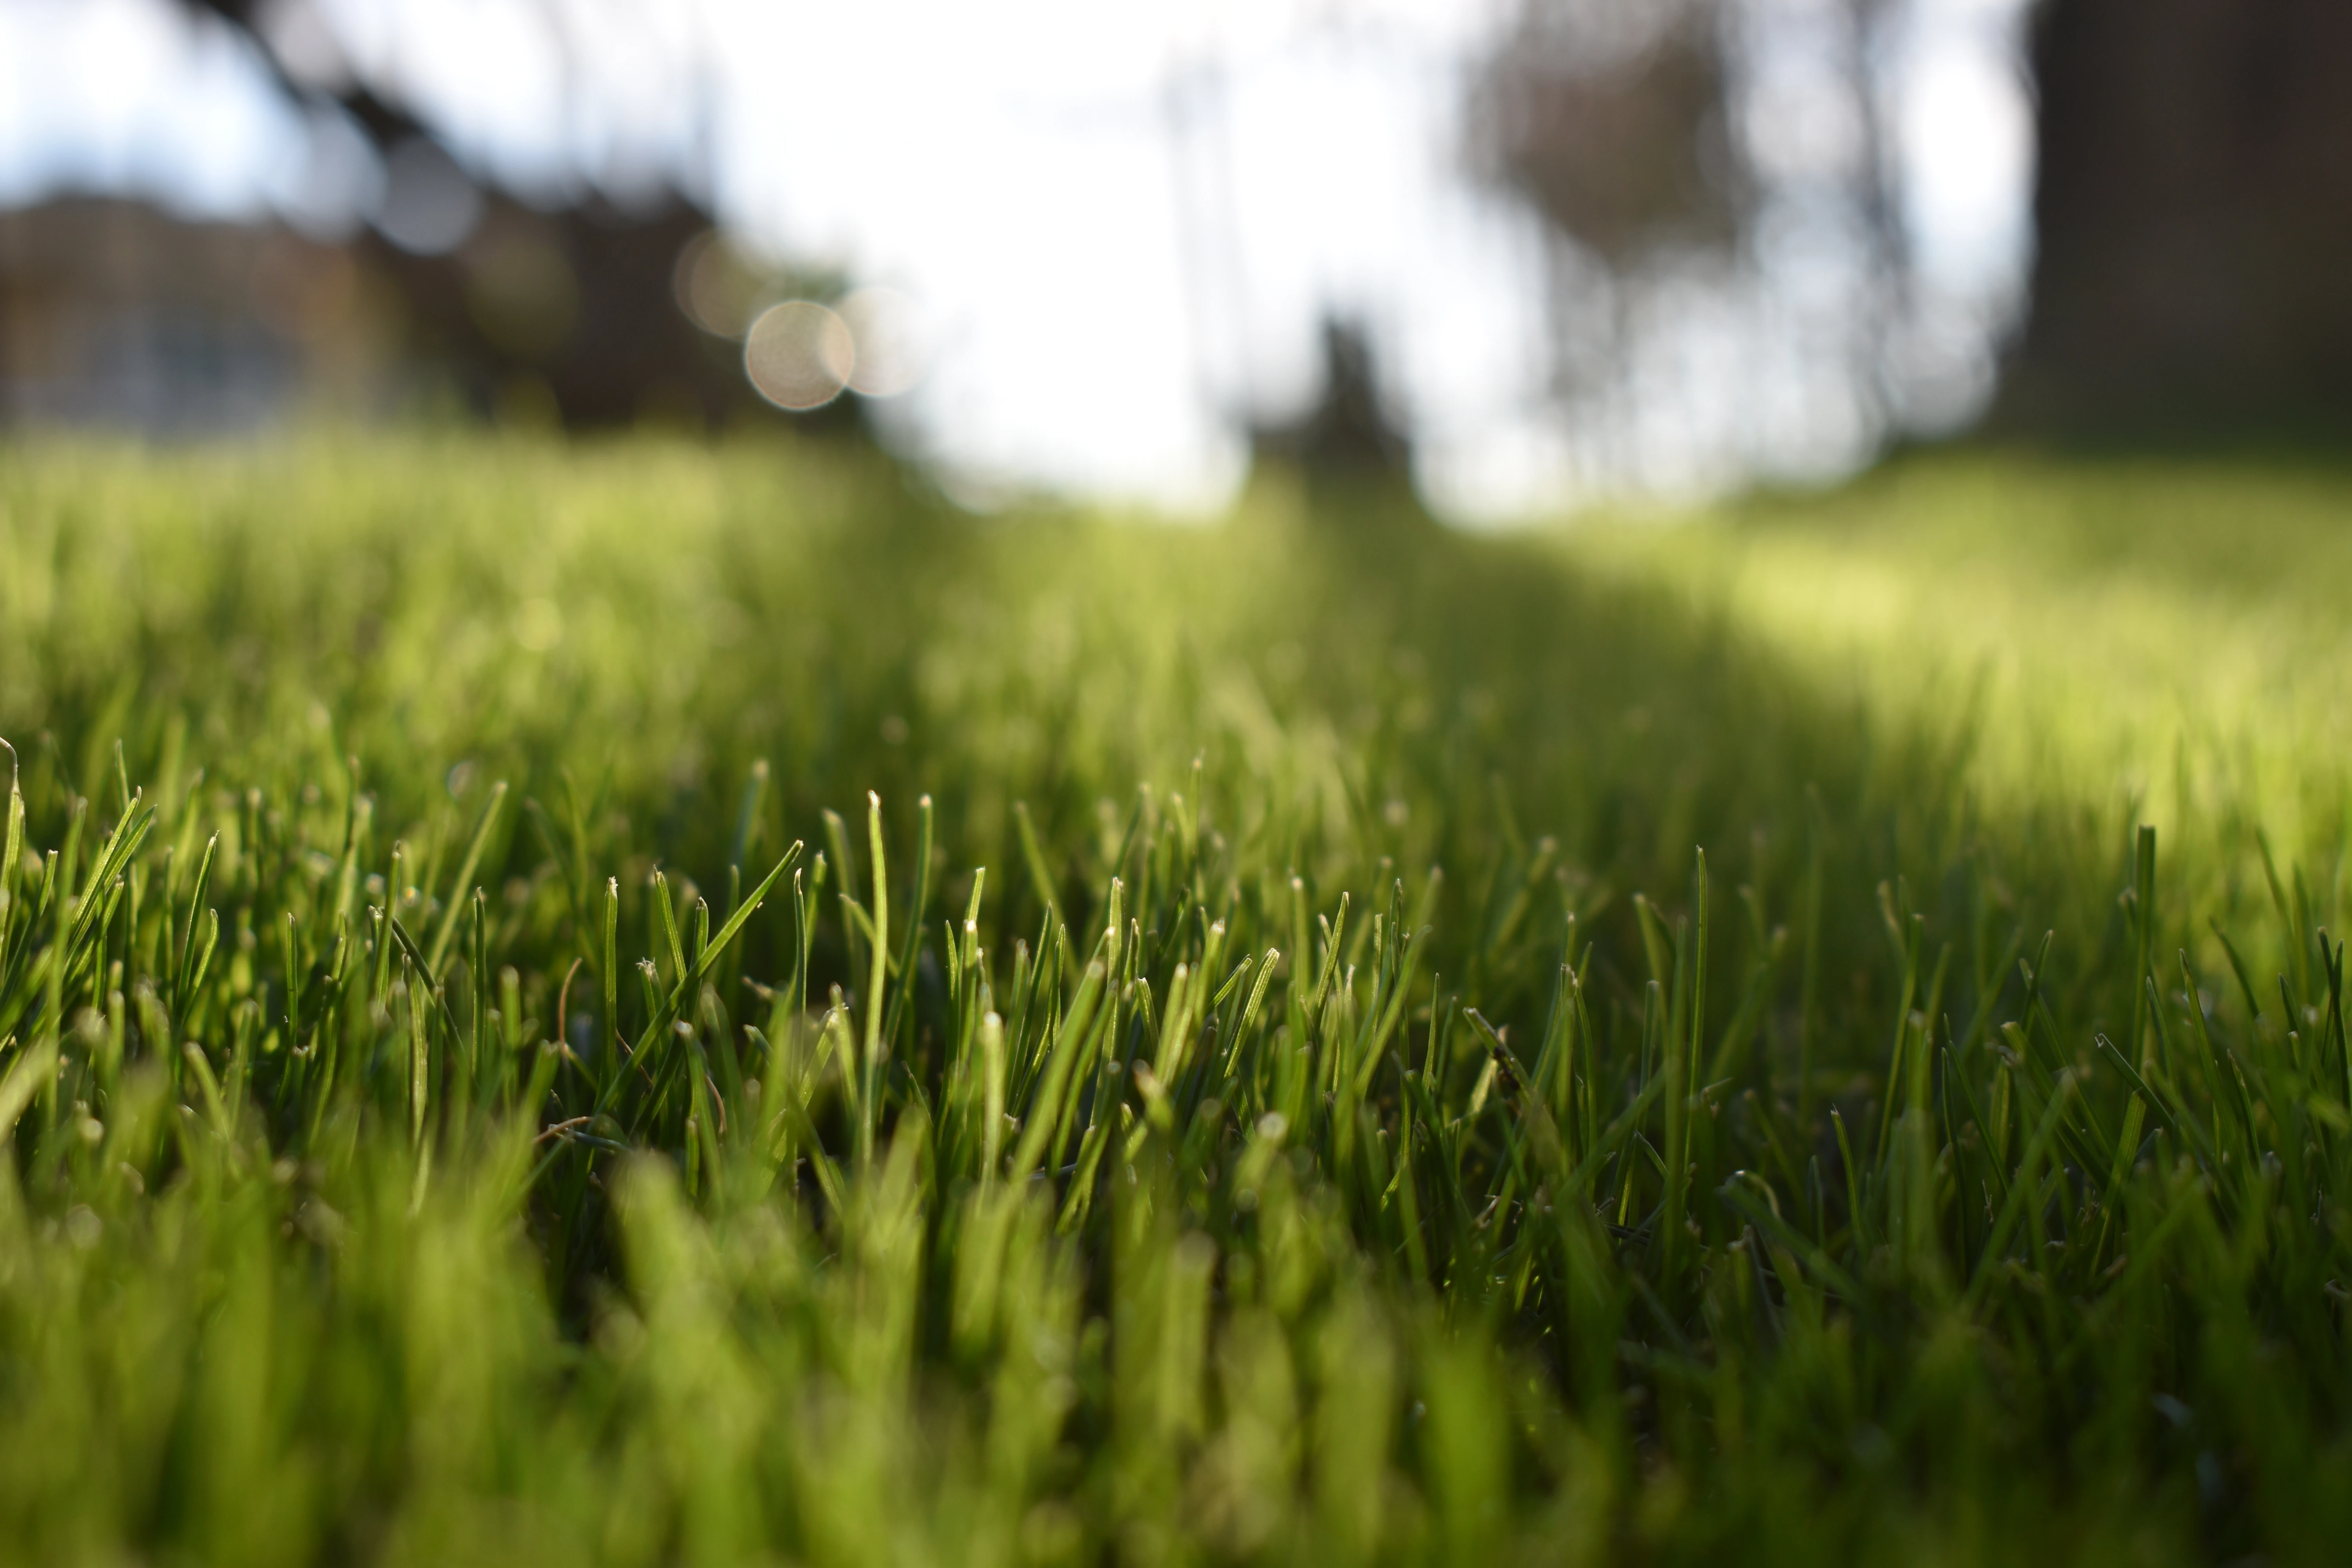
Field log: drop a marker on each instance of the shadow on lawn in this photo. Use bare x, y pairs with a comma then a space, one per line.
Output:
1367, 699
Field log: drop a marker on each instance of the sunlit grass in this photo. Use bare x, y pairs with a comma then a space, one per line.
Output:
2174, 630
644, 1003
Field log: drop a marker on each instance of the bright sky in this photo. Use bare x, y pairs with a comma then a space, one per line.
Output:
1123, 221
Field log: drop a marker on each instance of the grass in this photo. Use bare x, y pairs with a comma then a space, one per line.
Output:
644, 1004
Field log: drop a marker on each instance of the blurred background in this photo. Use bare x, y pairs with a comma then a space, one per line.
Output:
1530, 253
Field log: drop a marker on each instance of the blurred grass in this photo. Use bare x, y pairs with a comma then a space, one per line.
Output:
2170, 629
1347, 1121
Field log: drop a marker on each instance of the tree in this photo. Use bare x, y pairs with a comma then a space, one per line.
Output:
1608, 116
1628, 128
2193, 211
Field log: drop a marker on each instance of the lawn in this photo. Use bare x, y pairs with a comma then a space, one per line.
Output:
651, 1003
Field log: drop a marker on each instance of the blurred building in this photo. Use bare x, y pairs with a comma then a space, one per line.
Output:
571, 313
114, 313
582, 310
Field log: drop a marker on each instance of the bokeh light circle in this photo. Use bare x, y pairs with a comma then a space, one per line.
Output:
799, 355
430, 205
893, 344
718, 286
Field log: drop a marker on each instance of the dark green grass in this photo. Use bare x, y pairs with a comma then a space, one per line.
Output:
1459, 1050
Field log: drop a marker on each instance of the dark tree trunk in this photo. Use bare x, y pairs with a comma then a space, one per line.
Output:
2194, 216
